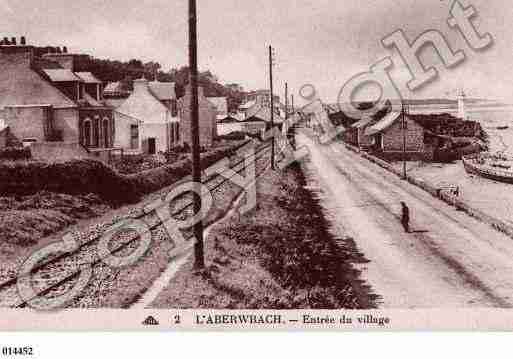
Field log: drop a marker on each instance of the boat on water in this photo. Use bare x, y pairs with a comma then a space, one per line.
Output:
497, 167
505, 127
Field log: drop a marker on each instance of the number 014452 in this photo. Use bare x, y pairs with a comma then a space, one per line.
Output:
17, 351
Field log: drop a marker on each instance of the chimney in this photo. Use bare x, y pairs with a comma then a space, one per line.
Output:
23, 41
13, 41
140, 85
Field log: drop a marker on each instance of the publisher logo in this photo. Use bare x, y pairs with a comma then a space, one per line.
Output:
150, 321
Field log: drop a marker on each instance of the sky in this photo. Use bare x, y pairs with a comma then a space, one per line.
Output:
319, 42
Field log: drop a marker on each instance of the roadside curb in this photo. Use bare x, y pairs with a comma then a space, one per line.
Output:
451, 200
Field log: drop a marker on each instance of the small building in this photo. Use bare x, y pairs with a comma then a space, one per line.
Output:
207, 119
254, 125
228, 125
115, 90
389, 135
144, 123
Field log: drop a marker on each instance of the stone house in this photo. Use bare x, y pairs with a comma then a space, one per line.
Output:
207, 119
147, 121
44, 100
389, 136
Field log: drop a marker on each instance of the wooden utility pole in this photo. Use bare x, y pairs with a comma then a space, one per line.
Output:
286, 100
272, 102
199, 259
404, 140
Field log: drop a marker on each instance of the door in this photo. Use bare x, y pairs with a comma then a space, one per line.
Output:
152, 147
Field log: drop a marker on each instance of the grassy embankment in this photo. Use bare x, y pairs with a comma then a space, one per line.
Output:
38, 198
280, 256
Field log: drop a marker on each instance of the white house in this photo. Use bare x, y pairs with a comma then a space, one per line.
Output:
221, 105
144, 123
228, 125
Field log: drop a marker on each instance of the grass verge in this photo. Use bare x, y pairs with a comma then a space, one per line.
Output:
281, 256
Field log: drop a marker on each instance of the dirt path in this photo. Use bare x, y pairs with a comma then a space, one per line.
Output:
450, 260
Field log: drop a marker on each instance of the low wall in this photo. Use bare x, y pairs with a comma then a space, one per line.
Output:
452, 200
49, 151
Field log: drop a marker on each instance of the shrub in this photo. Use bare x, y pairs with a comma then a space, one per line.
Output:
72, 177
15, 153
233, 136
157, 178
90, 176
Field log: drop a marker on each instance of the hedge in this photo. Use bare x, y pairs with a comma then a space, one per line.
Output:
71, 177
90, 176
15, 153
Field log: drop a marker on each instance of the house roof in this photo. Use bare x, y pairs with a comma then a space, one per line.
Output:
115, 88
61, 75
363, 122
91, 101
20, 85
88, 77
383, 124
228, 119
112, 87
247, 105
144, 106
114, 102
253, 119
163, 90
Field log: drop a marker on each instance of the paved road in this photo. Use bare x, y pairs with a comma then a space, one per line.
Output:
450, 259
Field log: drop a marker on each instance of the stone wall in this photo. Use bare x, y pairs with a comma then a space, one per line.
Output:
448, 198
62, 151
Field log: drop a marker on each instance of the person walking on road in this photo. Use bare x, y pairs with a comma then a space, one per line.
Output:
405, 217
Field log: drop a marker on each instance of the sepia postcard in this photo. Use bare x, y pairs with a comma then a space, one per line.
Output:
256, 165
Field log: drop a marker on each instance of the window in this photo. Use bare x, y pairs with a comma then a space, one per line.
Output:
172, 132
97, 130
106, 133
134, 136
174, 108
87, 136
